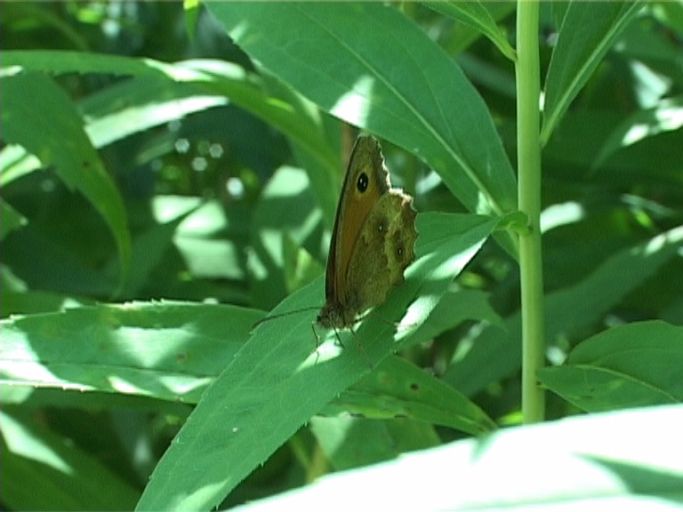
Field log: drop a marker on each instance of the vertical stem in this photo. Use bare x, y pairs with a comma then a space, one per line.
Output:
529, 170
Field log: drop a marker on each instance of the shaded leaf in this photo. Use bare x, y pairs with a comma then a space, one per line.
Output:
631, 365
475, 14
667, 115
38, 115
588, 31
10, 219
397, 388
67, 477
353, 442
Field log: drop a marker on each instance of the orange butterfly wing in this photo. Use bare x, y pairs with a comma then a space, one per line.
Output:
365, 182
372, 241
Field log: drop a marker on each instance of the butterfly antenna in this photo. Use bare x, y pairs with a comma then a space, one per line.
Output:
280, 315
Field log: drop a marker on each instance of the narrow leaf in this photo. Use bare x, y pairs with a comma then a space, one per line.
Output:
588, 31
10, 219
38, 115
475, 14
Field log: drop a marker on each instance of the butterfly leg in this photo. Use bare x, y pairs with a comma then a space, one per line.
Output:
339, 341
315, 334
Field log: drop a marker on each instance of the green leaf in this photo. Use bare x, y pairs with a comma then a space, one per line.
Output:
35, 256
558, 11
389, 78
41, 470
670, 14
588, 31
455, 307
15, 163
286, 208
39, 116
350, 442
475, 14
631, 365
629, 460
10, 219
191, 8
325, 176
39, 351
58, 62
164, 350
147, 250
150, 101
26, 303
280, 379
398, 388
201, 238
496, 352
655, 59
666, 116
463, 35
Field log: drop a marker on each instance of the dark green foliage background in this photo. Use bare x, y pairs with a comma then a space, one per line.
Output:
183, 189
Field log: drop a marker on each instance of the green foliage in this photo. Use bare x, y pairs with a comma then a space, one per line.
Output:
49, 127
617, 369
170, 175
476, 15
586, 34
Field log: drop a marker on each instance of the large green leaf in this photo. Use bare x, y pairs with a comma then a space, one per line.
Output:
588, 31
389, 78
632, 365
164, 350
279, 379
629, 460
173, 351
38, 115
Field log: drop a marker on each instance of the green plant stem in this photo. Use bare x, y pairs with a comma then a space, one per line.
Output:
529, 169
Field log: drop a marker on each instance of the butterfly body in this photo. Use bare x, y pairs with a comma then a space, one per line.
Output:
372, 241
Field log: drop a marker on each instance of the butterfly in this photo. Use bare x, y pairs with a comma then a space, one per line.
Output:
372, 241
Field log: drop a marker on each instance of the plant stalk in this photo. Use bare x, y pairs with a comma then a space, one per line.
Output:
529, 198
